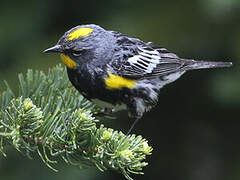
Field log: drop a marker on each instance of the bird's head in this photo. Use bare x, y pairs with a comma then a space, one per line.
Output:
78, 45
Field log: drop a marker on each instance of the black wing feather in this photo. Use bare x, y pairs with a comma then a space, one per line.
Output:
139, 60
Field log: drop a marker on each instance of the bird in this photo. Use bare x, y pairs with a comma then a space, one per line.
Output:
120, 72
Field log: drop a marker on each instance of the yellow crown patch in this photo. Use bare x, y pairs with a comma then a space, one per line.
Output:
81, 32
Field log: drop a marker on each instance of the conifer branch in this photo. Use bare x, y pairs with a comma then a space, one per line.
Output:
50, 117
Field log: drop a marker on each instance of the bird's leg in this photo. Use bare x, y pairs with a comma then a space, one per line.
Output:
133, 124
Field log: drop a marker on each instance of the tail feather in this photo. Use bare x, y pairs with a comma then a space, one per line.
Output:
192, 64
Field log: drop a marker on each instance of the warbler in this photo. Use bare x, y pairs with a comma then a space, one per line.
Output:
119, 71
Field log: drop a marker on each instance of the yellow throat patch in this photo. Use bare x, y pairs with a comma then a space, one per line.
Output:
117, 82
81, 32
68, 61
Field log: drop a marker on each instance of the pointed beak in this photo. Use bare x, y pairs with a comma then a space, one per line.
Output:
56, 48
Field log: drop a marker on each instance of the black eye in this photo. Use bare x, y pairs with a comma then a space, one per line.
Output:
77, 53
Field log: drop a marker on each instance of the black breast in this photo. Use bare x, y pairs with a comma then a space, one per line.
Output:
90, 83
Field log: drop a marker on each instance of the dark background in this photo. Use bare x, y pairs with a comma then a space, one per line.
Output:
195, 128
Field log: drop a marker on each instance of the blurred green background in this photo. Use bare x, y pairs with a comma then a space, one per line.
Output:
195, 129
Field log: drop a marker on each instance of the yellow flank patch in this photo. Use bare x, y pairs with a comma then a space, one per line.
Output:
68, 61
117, 82
79, 33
